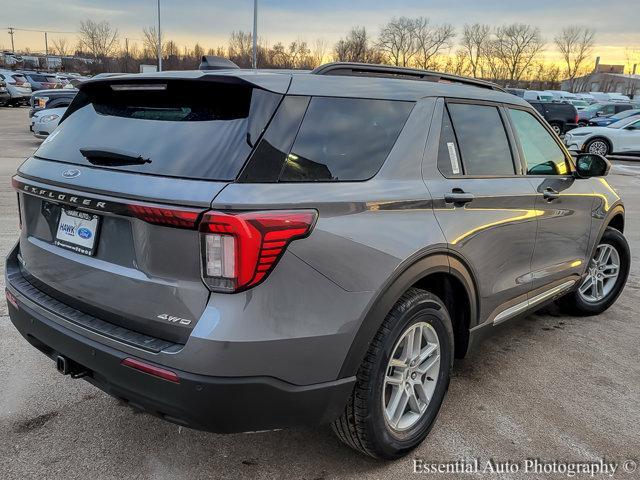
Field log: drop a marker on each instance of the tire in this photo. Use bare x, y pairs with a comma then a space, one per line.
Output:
557, 128
364, 425
585, 303
599, 145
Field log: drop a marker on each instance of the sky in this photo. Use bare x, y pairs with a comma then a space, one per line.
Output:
209, 22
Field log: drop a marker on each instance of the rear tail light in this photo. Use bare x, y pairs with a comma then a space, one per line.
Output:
576, 119
168, 217
240, 250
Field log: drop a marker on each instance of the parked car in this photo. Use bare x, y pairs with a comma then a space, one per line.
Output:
618, 97
42, 81
5, 97
44, 99
560, 95
587, 97
238, 250
44, 122
601, 110
579, 104
519, 92
622, 138
536, 95
561, 116
17, 86
604, 121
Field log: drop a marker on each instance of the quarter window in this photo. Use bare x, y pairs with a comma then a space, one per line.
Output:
483, 142
344, 139
541, 152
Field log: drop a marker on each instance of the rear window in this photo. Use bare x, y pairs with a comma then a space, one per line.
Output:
42, 78
189, 129
19, 78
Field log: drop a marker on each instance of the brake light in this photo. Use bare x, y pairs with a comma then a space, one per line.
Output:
577, 118
240, 250
168, 217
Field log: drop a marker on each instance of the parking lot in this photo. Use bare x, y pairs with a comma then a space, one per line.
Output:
547, 387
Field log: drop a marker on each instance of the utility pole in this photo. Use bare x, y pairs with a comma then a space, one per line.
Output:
11, 30
255, 34
159, 41
46, 52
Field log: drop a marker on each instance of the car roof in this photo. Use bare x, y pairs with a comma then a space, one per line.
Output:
308, 83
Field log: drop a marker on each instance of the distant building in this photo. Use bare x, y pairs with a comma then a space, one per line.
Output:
608, 79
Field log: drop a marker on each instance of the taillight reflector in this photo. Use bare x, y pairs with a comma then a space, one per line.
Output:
151, 370
241, 249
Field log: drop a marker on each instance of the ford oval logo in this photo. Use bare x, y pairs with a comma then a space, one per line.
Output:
84, 233
71, 173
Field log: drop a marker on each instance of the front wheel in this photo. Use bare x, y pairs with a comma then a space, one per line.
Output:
402, 381
598, 146
607, 274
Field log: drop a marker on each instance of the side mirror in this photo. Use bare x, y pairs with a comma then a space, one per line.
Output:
599, 114
592, 165
631, 127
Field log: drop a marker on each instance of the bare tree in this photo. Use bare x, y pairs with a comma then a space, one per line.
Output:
575, 44
240, 49
431, 41
632, 59
97, 38
397, 39
476, 40
516, 46
61, 46
319, 51
355, 47
150, 42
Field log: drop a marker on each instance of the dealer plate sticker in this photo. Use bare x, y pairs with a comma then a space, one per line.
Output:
77, 231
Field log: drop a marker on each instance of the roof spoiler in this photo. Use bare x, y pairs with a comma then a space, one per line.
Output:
212, 62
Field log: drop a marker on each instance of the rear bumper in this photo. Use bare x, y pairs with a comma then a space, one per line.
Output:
217, 404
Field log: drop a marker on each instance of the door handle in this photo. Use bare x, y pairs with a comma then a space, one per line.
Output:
458, 197
550, 194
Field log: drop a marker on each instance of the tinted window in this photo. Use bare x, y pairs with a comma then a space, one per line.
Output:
344, 139
482, 139
448, 156
192, 129
541, 152
268, 159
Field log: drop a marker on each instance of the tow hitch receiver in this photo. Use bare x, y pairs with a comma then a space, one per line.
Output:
67, 366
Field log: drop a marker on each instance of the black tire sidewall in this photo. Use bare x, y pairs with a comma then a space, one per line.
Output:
392, 445
617, 241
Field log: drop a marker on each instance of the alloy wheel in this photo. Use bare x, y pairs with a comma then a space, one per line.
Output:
602, 274
599, 147
411, 376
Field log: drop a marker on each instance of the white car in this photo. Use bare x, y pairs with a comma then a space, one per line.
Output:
621, 137
45, 121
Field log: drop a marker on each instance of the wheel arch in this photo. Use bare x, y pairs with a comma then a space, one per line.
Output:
441, 273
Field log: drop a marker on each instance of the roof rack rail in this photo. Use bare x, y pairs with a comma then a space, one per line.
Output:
376, 70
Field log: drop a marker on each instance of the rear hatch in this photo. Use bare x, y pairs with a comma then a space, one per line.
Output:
111, 201
21, 84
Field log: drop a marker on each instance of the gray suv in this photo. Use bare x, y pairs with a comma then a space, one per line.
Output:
234, 250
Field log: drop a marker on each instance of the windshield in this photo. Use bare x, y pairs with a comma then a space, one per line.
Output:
579, 103
625, 114
623, 123
594, 108
187, 129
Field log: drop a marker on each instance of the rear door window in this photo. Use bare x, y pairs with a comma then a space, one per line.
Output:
190, 129
483, 142
344, 139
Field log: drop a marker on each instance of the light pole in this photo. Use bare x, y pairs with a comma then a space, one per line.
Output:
159, 41
255, 34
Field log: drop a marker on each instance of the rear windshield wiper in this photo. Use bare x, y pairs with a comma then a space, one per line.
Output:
110, 158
